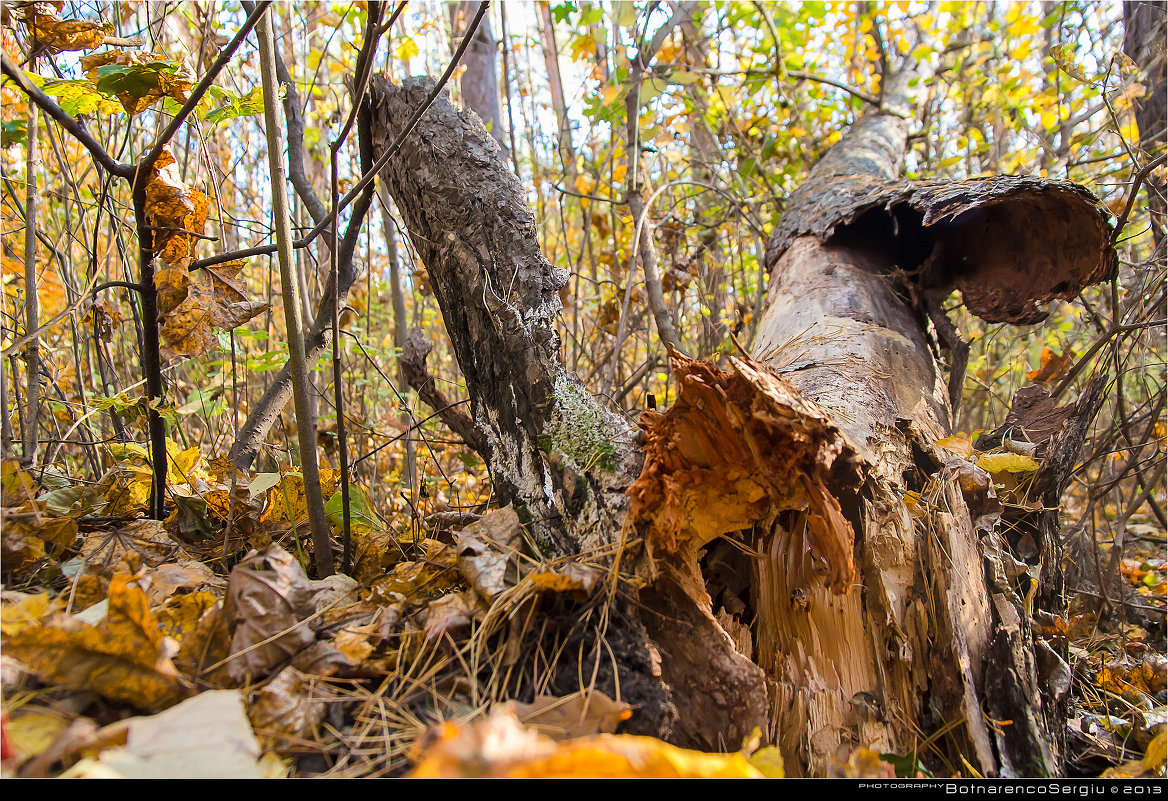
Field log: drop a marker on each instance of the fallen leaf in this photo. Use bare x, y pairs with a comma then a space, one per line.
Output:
269, 597
205, 737
573, 715
285, 708
145, 539
1006, 463
500, 746
125, 657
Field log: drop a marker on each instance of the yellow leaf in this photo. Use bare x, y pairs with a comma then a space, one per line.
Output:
31, 733
17, 614
500, 746
958, 445
125, 658
769, 762
1006, 462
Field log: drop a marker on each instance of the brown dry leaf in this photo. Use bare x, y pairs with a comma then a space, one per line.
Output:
354, 643
486, 549
146, 539
173, 208
213, 299
433, 574
185, 576
285, 708
126, 657
46, 27
451, 614
19, 547
189, 328
500, 746
173, 284
165, 84
232, 307
269, 597
575, 715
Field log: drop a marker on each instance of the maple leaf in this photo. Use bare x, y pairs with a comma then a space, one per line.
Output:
125, 657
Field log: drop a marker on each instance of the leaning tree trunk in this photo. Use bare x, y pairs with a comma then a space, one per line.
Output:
795, 554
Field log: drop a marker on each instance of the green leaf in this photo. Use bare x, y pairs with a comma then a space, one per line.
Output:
360, 511
560, 13
262, 483
906, 766
136, 80
79, 97
14, 132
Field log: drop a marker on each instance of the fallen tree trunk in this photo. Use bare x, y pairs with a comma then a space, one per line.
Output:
789, 548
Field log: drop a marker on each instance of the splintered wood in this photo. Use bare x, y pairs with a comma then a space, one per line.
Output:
737, 449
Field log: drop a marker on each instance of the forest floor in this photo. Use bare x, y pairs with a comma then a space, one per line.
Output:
128, 650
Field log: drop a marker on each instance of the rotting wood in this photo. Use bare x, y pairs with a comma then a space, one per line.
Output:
859, 624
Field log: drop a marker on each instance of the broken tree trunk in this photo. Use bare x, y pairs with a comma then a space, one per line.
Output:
859, 266
789, 549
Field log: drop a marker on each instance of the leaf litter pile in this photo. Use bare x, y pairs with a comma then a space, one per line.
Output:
128, 650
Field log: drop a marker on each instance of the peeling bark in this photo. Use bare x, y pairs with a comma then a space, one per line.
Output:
785, 582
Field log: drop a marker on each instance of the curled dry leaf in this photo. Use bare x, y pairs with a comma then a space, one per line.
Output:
451, 614
487, 548
57, 35
182, 576
269, 597
175, 210
575, 715
285, 707
125, 657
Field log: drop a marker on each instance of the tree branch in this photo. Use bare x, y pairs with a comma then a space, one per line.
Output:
75, 128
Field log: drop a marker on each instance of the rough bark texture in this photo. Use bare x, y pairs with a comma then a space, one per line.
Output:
786, 583
551, 450
1145, 32
937, 627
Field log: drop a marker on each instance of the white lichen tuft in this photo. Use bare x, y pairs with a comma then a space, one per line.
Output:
579, 429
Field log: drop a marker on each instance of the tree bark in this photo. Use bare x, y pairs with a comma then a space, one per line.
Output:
776, 575
1145, 28
480, 82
